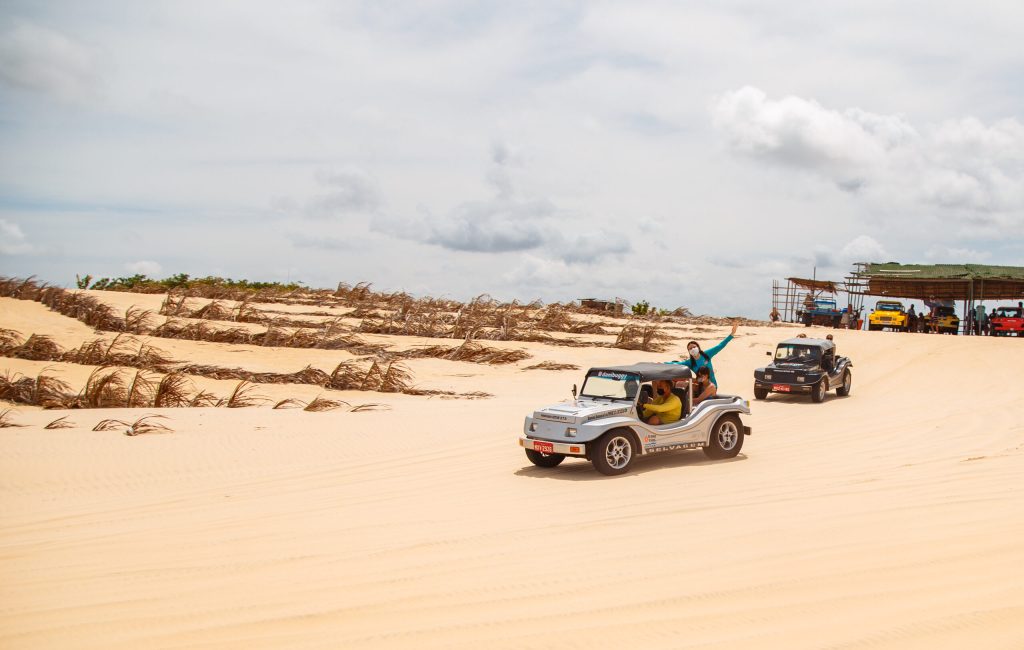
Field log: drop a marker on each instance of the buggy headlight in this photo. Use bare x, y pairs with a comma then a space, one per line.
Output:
768, 375
533, 427
801, 378
570, 432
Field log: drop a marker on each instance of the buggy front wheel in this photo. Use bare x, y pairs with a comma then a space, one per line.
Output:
544, 460
844, 390
613, 452
819, 390
726, 438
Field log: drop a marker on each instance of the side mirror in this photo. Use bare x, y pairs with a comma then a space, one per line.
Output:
574, 391
768, 353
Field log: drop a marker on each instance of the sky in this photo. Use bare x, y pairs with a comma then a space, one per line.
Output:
683, 153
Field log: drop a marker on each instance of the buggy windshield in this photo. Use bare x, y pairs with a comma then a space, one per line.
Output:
889, 306
610, 384
797, 353
1008, 312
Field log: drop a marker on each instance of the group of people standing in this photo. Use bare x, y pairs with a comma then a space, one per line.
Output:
666, 406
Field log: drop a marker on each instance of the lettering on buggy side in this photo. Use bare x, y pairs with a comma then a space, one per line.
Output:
607, 374
554, 418
607, 414
688, 445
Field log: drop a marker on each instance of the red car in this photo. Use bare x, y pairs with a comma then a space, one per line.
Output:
1008, 321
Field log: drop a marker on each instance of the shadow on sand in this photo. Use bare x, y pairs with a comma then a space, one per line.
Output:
578, 469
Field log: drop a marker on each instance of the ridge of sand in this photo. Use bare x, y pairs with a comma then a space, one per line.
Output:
890, 519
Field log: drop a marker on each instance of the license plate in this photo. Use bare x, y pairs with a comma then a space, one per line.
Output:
544, 447
780, 388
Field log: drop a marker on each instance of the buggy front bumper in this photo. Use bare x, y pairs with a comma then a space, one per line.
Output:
774, 387
549, 447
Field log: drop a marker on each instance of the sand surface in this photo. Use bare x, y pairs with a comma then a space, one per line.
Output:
893, 518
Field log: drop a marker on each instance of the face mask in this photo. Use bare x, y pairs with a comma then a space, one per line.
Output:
694, 353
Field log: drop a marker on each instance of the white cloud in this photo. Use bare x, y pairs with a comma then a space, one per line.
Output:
349, 190
963, 168
12, 239
44, 60
946, 254
863, 249
144, 267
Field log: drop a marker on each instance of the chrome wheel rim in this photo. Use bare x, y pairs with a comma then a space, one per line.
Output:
822, 389
846, 382
728, 434
618, 452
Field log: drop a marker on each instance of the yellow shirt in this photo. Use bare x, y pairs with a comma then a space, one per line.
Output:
669, 408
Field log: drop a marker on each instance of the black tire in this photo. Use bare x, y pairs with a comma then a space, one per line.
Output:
872, 328
844, 390
760, 393
726, 438
819, 391
544, 460
613, 453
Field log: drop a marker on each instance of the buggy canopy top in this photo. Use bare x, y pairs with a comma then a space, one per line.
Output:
810, 343
648, 371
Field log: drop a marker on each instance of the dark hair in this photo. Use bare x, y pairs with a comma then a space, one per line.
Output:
701, 350
703, 370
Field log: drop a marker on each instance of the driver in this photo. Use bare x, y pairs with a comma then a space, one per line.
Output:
666, 406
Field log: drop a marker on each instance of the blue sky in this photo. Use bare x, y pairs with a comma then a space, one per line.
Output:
683, 153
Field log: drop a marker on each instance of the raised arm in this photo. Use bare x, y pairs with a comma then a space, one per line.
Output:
718, 348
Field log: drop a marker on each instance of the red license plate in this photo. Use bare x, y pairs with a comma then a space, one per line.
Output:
780, 388
544, 447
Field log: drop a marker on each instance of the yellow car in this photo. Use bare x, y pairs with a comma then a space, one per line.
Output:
888, 313
945, 320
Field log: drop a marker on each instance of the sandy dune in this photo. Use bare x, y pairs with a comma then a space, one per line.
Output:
890, 519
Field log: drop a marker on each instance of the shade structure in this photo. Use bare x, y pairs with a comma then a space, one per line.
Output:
943, 281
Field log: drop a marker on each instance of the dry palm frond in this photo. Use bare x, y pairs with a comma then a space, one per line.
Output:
290, 403
173, 307
139, 390
172, 391
104, 388
395, 379
9, 340
242, 397
60, 423
369, 407
552, 365
647, 338
110, 425
38, 348
346, 376
50, 392
145, 425
5, 420
203, 399
213, 311
373, 378
16, 388
136, 320
322, 404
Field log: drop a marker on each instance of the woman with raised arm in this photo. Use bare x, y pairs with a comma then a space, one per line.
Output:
702, 358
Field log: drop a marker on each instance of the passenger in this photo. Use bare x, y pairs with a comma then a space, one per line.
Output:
702, 358
828, 338
703, 387
666, 406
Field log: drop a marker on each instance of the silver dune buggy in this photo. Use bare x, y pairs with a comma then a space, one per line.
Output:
602, 425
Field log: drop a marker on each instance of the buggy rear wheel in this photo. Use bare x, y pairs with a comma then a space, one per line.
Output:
760, 393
